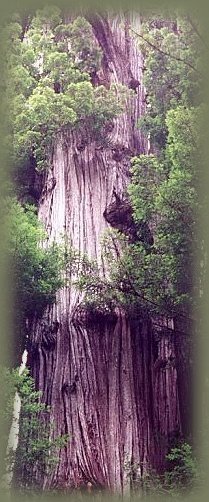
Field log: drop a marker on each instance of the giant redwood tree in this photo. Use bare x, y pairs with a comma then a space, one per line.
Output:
113, 373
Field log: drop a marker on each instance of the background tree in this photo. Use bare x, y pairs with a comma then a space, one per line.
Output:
172, 74
35, 271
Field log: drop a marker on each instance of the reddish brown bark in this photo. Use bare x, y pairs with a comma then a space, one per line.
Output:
111, 383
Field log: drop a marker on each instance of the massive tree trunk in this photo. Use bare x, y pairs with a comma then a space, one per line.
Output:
111, 383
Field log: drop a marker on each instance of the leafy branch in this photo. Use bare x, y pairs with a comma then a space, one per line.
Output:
168, 54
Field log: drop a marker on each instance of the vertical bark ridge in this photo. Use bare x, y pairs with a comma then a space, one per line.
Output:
101, 379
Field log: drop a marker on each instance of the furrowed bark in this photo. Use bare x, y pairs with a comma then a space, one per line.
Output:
111, 383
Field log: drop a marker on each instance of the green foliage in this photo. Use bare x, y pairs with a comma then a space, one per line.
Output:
44, 114
104, 294
183, 468
156, 277
87, 54
172, 60
146, 173
183, 139
35, 270
37, 446
164, 195
8, 380
47, 113
48, 89
181, 476
46, 19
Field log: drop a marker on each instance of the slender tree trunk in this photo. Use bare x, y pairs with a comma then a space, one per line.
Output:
110, 382
14, 432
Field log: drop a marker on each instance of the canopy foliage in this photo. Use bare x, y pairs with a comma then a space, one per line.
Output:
49, 68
